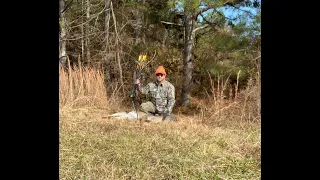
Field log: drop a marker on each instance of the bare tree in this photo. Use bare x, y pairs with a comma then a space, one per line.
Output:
187, 59
106, 41
118, 49
87, 32
82, 32
62, 35
139, 24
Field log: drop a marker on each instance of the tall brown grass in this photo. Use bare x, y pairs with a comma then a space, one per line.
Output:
243, 107
83, 87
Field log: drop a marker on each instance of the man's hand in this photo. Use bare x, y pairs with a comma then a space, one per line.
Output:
137, 81
136, 85
165, 114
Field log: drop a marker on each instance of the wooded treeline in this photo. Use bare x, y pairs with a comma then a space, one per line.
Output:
193, 39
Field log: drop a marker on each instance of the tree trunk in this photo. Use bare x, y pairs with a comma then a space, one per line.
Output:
118, 49
164, 39
62, 41
82, 32
106, 39
139, 26
187, 59
87, 39
144, 25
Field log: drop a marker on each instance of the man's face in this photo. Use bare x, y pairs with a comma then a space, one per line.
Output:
160, 77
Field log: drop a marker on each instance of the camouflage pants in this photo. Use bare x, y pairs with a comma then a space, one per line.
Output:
149, 108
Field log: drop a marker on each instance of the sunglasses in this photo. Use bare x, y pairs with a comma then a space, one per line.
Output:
159, 74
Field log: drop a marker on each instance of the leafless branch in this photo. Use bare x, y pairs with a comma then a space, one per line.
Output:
208, 7
97, 3
80, 37
201, 27
256, 58
170, 23
92, 17
67, 6
203, 10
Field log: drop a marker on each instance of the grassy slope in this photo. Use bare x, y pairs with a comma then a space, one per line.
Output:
93, 147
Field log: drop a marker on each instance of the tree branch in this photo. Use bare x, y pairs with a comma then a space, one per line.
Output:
210, 23
170, 23
203, 10
231, 5
67, 6
198, 28
221, 14
227, 3
208, 7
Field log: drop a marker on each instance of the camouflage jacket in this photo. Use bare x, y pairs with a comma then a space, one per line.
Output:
162, 95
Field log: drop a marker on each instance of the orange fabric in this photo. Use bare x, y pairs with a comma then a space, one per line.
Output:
160, 70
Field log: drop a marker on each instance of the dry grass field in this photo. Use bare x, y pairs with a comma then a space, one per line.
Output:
214, 139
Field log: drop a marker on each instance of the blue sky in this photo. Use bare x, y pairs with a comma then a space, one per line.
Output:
231, 12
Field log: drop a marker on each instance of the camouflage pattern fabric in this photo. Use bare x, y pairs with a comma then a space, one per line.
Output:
150, 109
162, 98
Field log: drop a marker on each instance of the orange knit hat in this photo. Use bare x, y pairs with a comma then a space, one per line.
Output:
160, 70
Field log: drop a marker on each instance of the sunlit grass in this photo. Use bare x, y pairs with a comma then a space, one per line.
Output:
218, 140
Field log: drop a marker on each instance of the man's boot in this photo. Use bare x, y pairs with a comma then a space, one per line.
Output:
171, 117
